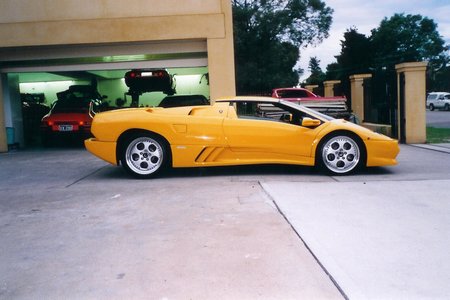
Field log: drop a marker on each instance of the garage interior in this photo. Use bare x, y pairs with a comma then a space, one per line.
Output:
32, 76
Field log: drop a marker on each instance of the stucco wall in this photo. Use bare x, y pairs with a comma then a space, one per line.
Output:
45, 22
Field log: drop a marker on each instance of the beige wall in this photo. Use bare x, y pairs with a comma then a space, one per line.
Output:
91, 22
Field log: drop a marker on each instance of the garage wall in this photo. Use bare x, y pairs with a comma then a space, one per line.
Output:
36, 23
54, 10
101, 21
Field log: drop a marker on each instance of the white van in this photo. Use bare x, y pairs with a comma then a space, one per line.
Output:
439, 100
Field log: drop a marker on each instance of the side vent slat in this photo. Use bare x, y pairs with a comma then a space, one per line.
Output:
209, 154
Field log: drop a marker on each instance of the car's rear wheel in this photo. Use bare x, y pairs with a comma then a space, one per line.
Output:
341, 154
447, 107
431, 107
145, 155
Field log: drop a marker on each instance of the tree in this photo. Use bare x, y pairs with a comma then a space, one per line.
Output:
401, 38
408, 38
317, 75
267, 37
356, 55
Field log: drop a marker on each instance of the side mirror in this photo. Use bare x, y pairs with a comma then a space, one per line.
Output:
308, 122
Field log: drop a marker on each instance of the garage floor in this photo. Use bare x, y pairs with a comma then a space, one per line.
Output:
72, 226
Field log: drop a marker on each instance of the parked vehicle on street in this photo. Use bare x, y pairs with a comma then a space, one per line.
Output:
438, 100
235, 131
333, 106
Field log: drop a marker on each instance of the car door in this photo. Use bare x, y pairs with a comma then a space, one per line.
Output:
440, 101
267, 138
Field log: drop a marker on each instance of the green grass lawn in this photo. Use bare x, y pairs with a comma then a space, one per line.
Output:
438, 135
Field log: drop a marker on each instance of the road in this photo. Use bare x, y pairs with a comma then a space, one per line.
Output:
438, 119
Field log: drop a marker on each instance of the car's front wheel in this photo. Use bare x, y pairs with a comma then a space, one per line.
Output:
431, 107
446, 107
145, 155
341, 154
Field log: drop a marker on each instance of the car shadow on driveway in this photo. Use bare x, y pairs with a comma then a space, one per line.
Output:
254, 172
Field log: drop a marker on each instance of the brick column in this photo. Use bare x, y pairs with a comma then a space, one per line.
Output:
328, 87
414, 113
311, 87
357, 94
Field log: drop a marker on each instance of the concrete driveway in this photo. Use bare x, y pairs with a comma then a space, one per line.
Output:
72, 226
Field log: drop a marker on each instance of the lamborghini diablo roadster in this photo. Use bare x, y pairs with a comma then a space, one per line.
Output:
235, 131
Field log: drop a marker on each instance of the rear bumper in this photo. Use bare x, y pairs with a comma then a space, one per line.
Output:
103, 150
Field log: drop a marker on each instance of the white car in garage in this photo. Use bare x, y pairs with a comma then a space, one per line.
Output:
439, 100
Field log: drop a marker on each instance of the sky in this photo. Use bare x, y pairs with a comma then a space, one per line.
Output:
367, 15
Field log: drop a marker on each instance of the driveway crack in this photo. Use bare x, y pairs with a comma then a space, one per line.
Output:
336, 284
84, 177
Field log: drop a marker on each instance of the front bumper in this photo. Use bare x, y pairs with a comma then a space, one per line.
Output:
103, 150
382, 153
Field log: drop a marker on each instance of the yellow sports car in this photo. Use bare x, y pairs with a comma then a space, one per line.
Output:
235, 131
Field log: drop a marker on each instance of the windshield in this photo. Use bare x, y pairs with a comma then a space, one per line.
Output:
80, 105
307, 110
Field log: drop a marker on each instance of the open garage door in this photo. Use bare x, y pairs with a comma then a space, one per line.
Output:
34, 77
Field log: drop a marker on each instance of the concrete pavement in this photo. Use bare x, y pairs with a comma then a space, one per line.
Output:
74, 227
382, 235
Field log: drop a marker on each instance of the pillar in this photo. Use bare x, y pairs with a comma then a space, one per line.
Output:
357, 94
411, 107
221, 59
311, 87
3, 141
329, 87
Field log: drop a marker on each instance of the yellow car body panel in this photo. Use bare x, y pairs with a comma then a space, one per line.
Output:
215, 136
103, 150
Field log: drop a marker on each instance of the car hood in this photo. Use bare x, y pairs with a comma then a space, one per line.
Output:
363, 132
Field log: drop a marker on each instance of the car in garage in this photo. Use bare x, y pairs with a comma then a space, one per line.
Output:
150, 80
183, 100
71, 114
438, 100
235, 131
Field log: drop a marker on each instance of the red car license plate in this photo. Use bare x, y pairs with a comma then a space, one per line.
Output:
65, 128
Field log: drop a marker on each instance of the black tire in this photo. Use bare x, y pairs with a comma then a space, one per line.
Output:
446, 107
341, 153
145, 155
431, 107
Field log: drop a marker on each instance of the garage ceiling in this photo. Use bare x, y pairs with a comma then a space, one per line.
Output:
85, 62
27, 77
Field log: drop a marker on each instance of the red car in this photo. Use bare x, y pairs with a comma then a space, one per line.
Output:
333, 106
71, 114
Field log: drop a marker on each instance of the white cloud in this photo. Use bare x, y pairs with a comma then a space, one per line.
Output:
367, 15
